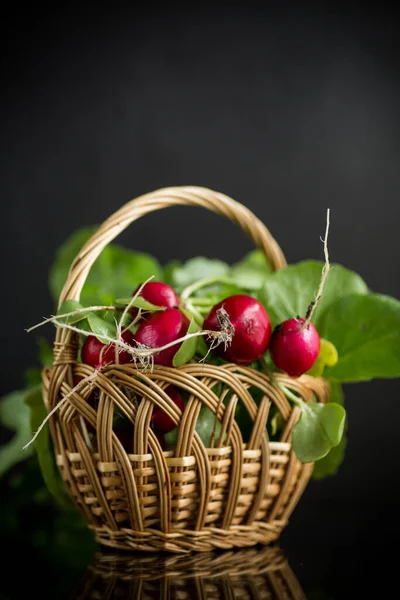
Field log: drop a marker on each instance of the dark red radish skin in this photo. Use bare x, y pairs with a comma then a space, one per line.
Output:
162, 423
252, 329
92, 348
160, 329
294, 347
125, 436
159, 294
161, 440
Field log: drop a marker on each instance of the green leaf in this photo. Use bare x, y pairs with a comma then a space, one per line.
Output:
201, 346
169, 271
46, 356
171, 438
115, 273
329, 464
139, 303
327, 357
70, 306
197, 268
258, 258
64, 257
250, 273
288, 292
366, 333
188, 348
206, 424
44, 449
319, 429
33, 376
15, 416
100, 328
248, 276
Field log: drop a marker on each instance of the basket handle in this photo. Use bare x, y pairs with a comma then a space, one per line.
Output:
158, 200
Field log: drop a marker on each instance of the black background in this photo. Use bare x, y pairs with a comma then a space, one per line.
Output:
287, 111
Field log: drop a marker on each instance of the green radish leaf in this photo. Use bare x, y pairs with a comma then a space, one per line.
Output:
248, 276
288, 292
195, 269
169, 271
70, 306
277, 423
329, 465
206, 424
45, 352
319, 429
257, 257
14, 414
115, 273
33, 376
188, 348
44, 449
139, 303
327, 357
250, 273
366, 332
100, 328
201, 346
171, 438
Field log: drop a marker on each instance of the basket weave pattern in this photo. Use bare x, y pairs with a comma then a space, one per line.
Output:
250, 574
233, 494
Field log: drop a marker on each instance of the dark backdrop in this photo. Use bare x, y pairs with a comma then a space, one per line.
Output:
289, 112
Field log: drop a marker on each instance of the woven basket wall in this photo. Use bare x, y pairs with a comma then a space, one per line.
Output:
251, 574
194, 498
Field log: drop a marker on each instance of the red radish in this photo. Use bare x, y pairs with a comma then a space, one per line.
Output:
162, 423
125, 436
252, 329
161, 439
158, 293
92, 348
295, 346
161, 329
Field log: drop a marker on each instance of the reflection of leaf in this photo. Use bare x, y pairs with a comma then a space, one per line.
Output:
366, 332
319, 429
14, 414
43, 446
288, 292
116, 272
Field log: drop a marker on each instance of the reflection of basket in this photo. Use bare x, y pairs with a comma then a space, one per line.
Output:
250, 574
194, 498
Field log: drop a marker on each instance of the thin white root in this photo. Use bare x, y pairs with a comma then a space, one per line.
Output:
78, 311
129, 306
325, 270
89, 378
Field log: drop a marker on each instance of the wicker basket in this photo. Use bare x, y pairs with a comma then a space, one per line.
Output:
250, 574
195, 498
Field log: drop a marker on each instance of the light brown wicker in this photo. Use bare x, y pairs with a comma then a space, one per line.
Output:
250, 574
195, 498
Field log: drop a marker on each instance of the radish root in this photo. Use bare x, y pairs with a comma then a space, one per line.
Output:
325, 270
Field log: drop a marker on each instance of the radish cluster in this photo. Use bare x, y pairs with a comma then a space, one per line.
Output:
294, 344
